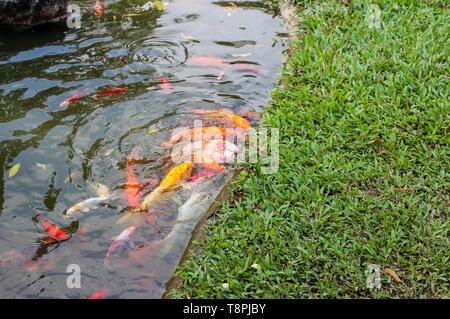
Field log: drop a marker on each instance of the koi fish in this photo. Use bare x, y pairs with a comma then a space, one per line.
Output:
201, 176
111, 91
73, 98
191, 208
249, 68
207, 133
220, 151
53, 231
174, 179
19, 258
132, 188
210, 62
99, 295
228, 116
124, 238
90, 203
164, 84
98, 7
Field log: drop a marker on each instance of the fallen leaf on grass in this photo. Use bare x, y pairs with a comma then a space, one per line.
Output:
220, 75
13, 171
392, 273
403, 189
379, 142
347, 2
381, 152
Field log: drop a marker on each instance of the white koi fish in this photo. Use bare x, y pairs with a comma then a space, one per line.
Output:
90, 203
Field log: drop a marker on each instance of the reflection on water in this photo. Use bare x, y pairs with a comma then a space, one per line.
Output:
66, 151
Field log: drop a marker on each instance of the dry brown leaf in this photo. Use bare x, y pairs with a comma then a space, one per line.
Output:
403, 189
379, 142
347, 2
392, 273
381, 152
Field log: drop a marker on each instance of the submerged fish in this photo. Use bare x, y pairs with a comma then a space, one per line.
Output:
90, 203
190, 209
248, 68
220, 151
99, 295
98, 7
111, 91
164, 84
123, 239
73, 98
53, 231
173, 180
206, 133
201, 176
132, 188
210, 62
225, 116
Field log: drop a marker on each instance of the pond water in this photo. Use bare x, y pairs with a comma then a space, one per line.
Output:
66, 149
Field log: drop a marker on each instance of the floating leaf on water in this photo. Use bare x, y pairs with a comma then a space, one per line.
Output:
392, 273
242, 55
40, 165
152, 131
13, 171
159, 5
108, 152
185, 36
259, 45
220, 75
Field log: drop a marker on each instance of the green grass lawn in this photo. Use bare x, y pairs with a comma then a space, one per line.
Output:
332, 209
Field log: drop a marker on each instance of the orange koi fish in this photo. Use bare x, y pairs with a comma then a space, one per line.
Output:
249, 68
73, 98
228, 116
124, 238
98, 7
210, 62
111, 91
164, 84
53, 231
132, 189
207, 133
176, 178
99, 295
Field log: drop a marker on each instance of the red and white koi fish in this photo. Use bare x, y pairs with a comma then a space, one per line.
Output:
210, 62
111, 91
163, 83
200, 176
73, 98
99, 295
206, 133
132, 189
124, 238
53, 231
98, 7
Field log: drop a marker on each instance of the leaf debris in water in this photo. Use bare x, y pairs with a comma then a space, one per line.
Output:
159, 5
242, 55
13, 171
220, 75
40, 165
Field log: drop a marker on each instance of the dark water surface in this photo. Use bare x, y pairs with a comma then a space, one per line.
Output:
92, 139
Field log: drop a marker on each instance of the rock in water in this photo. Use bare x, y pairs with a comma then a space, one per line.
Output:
28, 13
